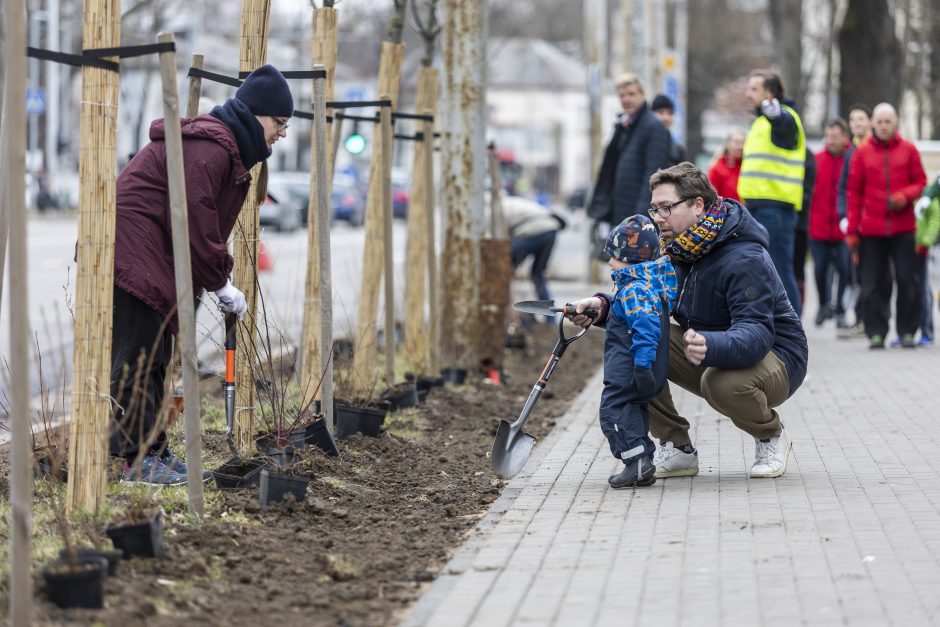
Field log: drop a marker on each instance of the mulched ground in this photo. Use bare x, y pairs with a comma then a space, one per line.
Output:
377, 524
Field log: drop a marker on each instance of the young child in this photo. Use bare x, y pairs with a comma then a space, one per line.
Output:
926, 235
636, 346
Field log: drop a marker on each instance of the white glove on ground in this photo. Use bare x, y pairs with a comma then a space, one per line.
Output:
920, 206
771, 108
231, 300
844, 225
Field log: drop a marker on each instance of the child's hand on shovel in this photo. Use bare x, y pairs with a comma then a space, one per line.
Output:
578, 317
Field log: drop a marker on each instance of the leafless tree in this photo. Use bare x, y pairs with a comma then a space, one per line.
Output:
871, 55
786, 23
397, 24
428, 27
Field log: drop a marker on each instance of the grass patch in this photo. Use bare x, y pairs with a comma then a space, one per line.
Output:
335, 482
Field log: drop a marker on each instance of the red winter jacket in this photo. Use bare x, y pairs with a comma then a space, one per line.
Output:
823, 214
724, 177
877, 171
216, 186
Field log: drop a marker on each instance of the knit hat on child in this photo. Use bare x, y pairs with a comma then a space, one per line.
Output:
633, 240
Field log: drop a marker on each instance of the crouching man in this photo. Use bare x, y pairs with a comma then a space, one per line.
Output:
735, 339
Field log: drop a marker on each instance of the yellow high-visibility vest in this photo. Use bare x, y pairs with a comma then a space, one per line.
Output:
769, 172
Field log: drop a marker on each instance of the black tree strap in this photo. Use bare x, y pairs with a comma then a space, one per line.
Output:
94, 57
413, 116
76, 60
293, 74
357, 118
131, 51
212, 76
352, 104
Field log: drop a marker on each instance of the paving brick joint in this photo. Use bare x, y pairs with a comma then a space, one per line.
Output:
850, 535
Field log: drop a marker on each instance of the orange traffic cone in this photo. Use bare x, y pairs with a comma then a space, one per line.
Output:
264, 260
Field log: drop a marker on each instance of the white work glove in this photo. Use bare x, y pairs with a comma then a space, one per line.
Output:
844, 225
920, 206
231, 300
771, 108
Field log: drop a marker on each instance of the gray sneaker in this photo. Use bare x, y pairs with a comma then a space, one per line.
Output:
152, 471
771, 456
674, 462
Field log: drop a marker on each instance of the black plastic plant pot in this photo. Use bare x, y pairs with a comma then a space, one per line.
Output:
317, 435
238, 473
295, 439
275, 485
401, 396
113, 556
457, 376
280, 457
82, 586
144, 539
371, 421
47, 469
346, 419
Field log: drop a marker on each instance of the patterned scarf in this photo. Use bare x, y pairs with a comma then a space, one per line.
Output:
698, 239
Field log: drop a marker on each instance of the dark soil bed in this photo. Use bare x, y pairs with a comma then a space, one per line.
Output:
377, 525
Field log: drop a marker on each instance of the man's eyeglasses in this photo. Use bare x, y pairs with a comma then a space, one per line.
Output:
665, 210
282, 124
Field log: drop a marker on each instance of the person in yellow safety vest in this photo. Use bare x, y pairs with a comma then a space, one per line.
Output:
771, 180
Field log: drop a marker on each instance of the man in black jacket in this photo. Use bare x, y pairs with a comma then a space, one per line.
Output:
665, 109
639, 147
736, 340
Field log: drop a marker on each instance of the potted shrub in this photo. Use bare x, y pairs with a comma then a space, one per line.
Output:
138, 531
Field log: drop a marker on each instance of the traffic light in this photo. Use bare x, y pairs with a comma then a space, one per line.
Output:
355, 143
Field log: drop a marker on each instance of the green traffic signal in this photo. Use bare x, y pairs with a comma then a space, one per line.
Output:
355, 144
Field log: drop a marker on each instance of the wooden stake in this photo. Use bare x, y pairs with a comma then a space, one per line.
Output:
252, 54
14, 172
420, 204
337, 138
313, 341
195, 89
94, 280
182, 268
373, 253
434, 306
386, 127
321, 167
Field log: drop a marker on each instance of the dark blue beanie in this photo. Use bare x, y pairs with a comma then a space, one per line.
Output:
266, 92
633, 240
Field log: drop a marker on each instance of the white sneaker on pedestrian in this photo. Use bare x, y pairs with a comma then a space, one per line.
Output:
674, 462
770, 457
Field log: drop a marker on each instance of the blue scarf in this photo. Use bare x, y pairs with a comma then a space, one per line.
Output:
249, 134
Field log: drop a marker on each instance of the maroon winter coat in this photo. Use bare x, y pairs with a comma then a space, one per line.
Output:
878, 170
824, 213
216, 185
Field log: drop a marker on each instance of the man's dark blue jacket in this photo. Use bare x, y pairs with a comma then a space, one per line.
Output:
631, 158
733, 296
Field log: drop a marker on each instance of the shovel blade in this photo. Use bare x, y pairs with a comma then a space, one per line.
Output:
510, 450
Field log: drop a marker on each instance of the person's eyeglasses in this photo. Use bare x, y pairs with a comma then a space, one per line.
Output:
665, 210
281, 123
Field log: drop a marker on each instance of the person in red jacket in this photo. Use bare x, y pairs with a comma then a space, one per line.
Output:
826, 240
723, 173
219, 150
885, 178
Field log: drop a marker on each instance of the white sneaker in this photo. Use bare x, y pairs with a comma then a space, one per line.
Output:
673, 462
770, 457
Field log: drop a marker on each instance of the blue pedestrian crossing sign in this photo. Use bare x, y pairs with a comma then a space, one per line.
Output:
35, 101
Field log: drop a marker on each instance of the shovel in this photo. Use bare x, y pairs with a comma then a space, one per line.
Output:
228, 388
548, 308
512, 445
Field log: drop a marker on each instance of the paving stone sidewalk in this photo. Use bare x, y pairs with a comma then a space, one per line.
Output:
849, 536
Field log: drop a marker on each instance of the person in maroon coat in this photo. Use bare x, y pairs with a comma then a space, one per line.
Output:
826, 239
886, 176
219, 150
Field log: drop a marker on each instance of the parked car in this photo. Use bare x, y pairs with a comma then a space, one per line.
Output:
347, 199
349, 202
283, 208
